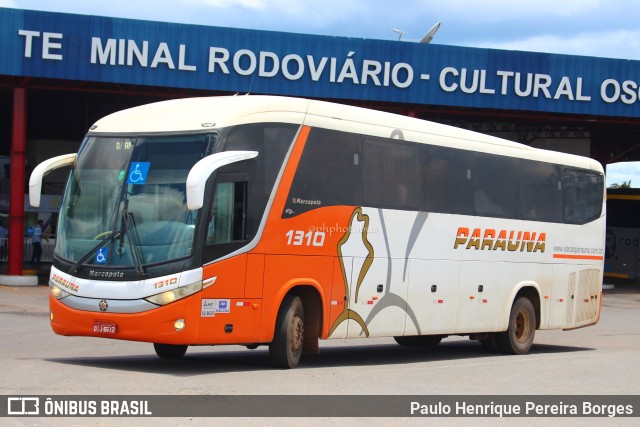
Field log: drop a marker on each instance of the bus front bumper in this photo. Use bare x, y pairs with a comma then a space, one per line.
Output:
175, 323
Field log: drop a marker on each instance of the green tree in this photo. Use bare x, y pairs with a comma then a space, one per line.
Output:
625, 184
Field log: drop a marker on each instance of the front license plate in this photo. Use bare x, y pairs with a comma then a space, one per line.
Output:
104, 327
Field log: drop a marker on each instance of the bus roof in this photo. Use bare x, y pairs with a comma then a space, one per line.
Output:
202, 114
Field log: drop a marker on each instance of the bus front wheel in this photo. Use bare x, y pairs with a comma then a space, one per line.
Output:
286, 347
518, 338
170, 351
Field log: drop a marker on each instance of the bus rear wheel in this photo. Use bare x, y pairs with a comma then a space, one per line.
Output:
286, 348
170, 351
518, 338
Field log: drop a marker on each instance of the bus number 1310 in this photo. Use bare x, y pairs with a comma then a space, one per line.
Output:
300, 238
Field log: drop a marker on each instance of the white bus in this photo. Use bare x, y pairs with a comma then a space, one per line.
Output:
260, 220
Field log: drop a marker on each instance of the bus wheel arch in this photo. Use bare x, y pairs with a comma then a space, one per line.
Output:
524, 319
298, 327
532, 293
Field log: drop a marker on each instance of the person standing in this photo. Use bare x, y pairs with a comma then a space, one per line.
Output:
4, 234
36, 243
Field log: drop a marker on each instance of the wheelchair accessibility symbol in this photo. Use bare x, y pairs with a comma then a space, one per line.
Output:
102, 255
138, 173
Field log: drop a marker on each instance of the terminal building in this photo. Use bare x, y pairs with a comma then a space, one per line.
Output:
62, 72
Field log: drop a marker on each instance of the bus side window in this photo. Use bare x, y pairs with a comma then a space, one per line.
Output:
227, 216
329, 173
583, 195
390, 171
447, 185
495, 181
541, 197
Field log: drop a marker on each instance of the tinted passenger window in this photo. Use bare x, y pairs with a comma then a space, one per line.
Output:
583, 195
272, 141
390, 174
338, 168
227, 213
495, 185
329, 173
541, 191
227, 219
446, 180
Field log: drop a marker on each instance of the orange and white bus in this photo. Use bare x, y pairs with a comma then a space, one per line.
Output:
260, 220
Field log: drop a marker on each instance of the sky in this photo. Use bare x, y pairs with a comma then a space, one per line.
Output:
602, 28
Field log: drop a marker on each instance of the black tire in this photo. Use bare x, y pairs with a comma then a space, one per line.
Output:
404, 341
286, 348
424, 341
518, 338
170, 351
427, 341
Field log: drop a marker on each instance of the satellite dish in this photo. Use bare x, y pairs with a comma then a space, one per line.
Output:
432, 32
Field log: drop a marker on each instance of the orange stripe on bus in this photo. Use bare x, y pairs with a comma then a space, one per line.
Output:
565, 256
289, 173
616, 275
622, 197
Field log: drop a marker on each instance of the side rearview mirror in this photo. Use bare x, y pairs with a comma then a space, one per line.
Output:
201, 171
35, 181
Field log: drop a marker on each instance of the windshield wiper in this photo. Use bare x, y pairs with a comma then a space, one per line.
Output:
134, 241
112, 236
129, 225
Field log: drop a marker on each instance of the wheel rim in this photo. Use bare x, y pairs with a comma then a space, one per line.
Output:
297, 332
523, 325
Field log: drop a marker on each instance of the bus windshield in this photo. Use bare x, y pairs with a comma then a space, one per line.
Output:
125, 202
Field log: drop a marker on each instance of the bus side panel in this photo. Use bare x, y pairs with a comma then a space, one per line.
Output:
560, 297
488, 290
309, 244
334, 327
284, 272
255, 276
229, 321
575, 296
373, 269
587, 295
482, 294
378, 296
229, 313
433, 297
229, 277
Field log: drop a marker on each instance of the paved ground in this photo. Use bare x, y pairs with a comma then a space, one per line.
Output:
591, 361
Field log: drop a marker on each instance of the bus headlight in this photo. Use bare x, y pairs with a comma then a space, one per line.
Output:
175, 294
57, 292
